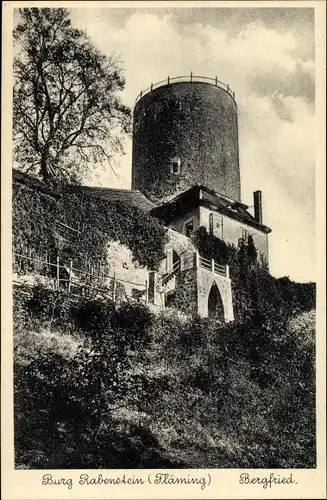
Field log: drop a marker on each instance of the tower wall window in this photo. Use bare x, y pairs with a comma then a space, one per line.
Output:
216, 225
175, 166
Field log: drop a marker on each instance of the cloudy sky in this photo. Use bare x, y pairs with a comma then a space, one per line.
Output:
267, 56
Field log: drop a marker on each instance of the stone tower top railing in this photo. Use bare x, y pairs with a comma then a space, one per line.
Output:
187, 79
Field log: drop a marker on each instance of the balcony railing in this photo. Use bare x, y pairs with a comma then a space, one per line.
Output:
188, 78
211, 265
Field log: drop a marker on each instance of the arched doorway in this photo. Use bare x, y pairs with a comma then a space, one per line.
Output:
215, 304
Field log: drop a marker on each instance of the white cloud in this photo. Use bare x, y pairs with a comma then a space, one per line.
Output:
264, 67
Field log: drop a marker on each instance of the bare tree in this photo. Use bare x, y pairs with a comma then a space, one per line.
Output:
67, 116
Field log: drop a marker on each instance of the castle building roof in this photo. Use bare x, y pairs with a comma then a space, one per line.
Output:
134, 197
198, 195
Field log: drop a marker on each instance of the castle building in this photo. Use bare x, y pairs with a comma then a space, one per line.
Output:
186, 173
186, 161
222, 217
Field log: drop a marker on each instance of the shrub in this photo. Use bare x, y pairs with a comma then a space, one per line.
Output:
129, 324
211, 247
135, 322
94, 316
51, 308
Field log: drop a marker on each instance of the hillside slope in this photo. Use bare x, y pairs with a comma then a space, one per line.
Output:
117, 387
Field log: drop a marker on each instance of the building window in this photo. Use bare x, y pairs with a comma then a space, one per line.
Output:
245, 235
175, 166
189, 228
216, 225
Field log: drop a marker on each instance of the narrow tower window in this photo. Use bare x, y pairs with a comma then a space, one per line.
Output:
216, 225
175, 166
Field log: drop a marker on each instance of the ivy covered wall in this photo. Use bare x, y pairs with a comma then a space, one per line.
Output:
40, 219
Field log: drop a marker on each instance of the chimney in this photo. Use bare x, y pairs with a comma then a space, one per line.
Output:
257, 198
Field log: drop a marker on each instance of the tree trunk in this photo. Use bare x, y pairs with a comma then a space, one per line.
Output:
44, 169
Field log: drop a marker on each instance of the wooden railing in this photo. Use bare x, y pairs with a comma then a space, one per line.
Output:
59, 276
188, 78
219, 269
211, 265
205, 263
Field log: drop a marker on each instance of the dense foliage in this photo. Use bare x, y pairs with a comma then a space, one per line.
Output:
72, 400
256, 294
211, 247
36, 230
66, 112
124, 388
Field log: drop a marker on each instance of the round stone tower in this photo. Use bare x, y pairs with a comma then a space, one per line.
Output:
185, 133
